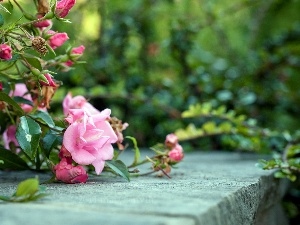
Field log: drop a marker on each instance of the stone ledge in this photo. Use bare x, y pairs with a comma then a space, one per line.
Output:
213, 188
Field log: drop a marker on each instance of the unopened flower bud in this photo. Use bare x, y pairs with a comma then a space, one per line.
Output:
63, 7
5, 52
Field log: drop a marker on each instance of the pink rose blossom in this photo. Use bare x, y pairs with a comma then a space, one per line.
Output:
89, 138
1, 86
63, 7
9, 136
171, 140
57, 39
5, 52
78, 102
22, 91
176, 154
66, 172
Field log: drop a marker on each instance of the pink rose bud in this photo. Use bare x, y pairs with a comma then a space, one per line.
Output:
171, 140
50, 80
57, 39
1, 86
42, 24
78, 50
5, 52
63, 7
67, 173
176, 154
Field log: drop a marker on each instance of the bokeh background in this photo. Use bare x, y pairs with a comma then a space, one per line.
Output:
148, 60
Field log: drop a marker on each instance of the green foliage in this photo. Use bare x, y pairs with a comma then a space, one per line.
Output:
27, 190
28, 136
119, 168
11, 161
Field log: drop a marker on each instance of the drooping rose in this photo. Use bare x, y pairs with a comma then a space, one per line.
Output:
63, 7
89, 138
78, 102
9, 136
5, 52
57, 39
22, 91
171, 140
68, 173
176, 154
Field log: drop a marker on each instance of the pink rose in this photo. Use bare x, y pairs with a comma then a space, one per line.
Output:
89, 138
57, 39
63, 7
78, 102
9, 136
22, 91
66, 172
176, 154
1, 86
5, 52
171, 140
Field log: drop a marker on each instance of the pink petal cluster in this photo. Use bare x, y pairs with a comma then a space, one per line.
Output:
1, 86
63, 7
57, 39
22, 91
5, 52
176, 152
66, 172
9, 136
78, 102
89, 138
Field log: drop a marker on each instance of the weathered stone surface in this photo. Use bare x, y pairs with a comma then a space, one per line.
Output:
206, 189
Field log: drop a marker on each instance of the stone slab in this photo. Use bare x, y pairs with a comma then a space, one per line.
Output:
213, 188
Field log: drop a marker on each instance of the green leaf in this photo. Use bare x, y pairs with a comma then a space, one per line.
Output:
44, 117
27, 187
34, 62
1, 20
49, 141
28, 135
11, 161
19, 99
137, 153
4, 97
119, 167
27, 190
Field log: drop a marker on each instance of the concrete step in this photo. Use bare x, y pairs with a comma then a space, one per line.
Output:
214, 188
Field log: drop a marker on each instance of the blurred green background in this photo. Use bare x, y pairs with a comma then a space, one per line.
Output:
148, 60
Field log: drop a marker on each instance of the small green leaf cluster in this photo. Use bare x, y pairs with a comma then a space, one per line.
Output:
27, 190
237, 131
